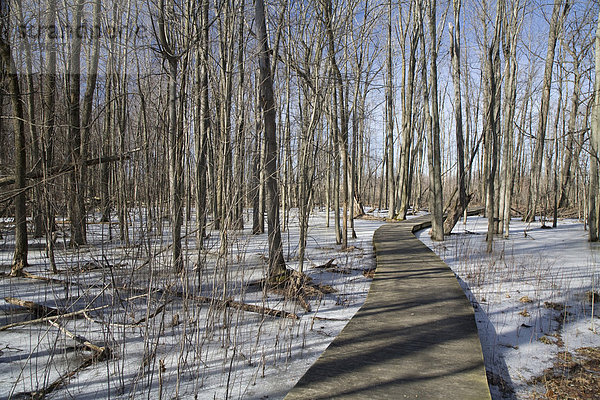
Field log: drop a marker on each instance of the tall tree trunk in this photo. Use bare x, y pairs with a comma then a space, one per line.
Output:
389, 100
238, 216
175, 169
333, 116
511, 29
90, 87
595, 146
430, 101
48, 112
407, 124
175, 139
566, 170
267, 102
202, 130
492, 115
20, 198
342, 136
76, 180
457, 211
37, 204
536, 163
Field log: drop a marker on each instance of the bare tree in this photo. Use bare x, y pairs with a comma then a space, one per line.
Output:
49, 112
20, 197
172, 55
267, 103
594, 202
556, 23
38, 219
77, 178
463, 199
408, 108
577, 45
510, 32
430, 102
492, 122
203, 122
389, 126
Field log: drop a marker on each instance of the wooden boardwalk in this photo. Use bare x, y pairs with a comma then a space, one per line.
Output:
414, 337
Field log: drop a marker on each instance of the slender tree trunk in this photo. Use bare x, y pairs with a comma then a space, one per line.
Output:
77, 189
333, 115
238, 217
511, 32
595, 145
457, 211
407, 125
430, 101
175, 139
391, 190
536, 164
342, 132
491, 125
267, 102
37, 204
202, 130
566, 170
256, 180
20, 198
48, 112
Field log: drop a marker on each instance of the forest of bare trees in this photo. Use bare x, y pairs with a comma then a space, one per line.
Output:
171, 157
202, 110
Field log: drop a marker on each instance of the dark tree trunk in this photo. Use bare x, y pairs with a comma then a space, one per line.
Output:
20, 198
267, 102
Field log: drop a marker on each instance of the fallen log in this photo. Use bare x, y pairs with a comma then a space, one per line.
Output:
52, 318
224, 303
328, 264
62, 380
246, 307
39, 310
62, 315
101, 352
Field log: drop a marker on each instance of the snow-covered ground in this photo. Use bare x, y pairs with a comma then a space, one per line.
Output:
531, 299
164, 342
531, 296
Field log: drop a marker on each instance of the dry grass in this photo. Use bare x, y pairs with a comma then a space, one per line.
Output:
573, 376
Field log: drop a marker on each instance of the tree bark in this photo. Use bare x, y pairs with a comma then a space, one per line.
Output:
407, 124
510, 33
389, 100
267, 102
491, 132
595, 146
37, 206
175, 140
20, 254
430, 101
536, 163
456, 212
48, 112
76, 181
202, 130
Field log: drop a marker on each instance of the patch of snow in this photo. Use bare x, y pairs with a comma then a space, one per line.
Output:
167, 346
530, 295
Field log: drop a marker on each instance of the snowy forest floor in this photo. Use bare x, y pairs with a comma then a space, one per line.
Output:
180, 335
535, 305
172, 335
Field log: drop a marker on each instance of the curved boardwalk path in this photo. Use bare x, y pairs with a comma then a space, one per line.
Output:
414, 337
